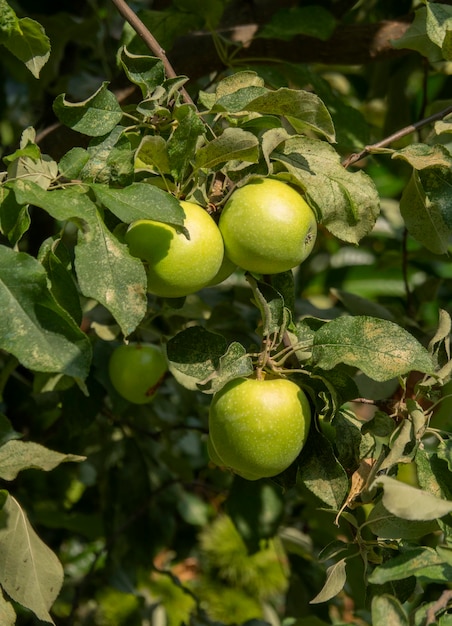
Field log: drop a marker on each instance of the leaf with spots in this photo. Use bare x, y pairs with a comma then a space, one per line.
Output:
95, 116
33, 327
347, 203
105, 270
194, 355
426, 209
320, 471
109, 274
16, 456
30, 574
379, 348
202, 360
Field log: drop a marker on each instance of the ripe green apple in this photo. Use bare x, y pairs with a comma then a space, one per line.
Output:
136, 371
227, 267
257, 428
177, 265
267, 227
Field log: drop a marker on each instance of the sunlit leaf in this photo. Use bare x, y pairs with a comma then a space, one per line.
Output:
30, 574
425, 208
16, 456
416, 38
95, 116
383, 524
7, 612
336, 577
304, 110
347, 203
388, 611
421, 561
29, 43
233, 143
141, 201
409, 502
379, 348
109, 274
145, 71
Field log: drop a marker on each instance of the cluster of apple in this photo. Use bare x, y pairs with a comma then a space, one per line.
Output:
257, 427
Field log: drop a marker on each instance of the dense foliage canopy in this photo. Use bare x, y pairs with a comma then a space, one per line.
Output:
117, 511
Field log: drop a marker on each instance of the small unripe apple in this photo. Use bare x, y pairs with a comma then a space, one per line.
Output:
178, 265
136, 371
267, 227
257, 428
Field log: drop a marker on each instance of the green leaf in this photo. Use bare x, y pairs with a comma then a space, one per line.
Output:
140, 201
16, 456
336, 577
7, 612
379, 348
238, 100
7, 432
388, 611
416, 38
410, 503
152, 155
8, 20
31, 573
233, 84
234, 363
62, 204
439, 25
183, 142
194, 355
271, 306
233, 143
105, 269
421, 156
313, 21
28, 41
33, 326
145, 71
109, 274
387, 526
30, 164
72, 163
95, 116
347, 202
14, 217
422, 562
303, 109
62, 283
320, 471
425, 208
110, 159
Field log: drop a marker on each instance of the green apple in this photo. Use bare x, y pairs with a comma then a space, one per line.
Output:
136, 371
267, 227
227, 267
257, 428
178, 265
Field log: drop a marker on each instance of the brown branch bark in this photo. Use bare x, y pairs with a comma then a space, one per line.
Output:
132, 18
403, 132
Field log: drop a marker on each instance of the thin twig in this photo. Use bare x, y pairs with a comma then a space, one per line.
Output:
150, 41
357, 156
